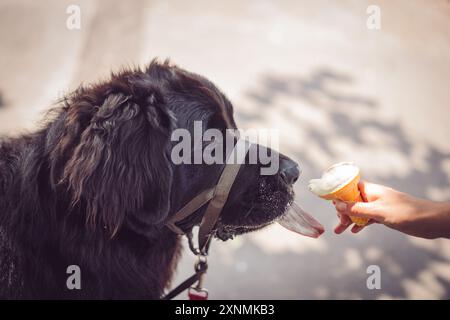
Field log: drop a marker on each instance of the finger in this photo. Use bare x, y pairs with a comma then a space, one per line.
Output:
362, 209
340, 228
362, 191
366, 210
344, 219
344, 223
340, 206
357, 228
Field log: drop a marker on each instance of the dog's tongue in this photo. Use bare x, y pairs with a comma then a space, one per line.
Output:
297, 220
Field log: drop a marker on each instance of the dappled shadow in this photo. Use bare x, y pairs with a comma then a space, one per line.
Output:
2, 101
311, 89
345, 125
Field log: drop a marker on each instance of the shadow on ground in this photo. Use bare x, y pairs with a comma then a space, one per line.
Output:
324, 121
2, 101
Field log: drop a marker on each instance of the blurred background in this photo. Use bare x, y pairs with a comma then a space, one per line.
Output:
334, 88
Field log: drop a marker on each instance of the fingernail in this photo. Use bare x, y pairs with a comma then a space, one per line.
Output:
341, 206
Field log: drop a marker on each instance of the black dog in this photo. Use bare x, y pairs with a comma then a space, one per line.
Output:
95, 186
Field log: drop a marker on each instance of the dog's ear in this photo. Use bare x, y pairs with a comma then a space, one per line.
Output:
119, 168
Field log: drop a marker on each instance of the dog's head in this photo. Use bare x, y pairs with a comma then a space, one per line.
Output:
111, 150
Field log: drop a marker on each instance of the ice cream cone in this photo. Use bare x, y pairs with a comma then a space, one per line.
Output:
349, 192
345, 188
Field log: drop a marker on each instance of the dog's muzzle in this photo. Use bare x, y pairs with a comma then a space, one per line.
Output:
216, 196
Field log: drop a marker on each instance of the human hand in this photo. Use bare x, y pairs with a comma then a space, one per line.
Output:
397, 210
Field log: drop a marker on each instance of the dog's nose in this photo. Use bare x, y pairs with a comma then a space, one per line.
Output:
289, 171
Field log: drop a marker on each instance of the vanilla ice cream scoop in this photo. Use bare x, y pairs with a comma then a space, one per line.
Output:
334, 178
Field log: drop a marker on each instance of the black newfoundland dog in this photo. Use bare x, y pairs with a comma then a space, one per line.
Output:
95, 186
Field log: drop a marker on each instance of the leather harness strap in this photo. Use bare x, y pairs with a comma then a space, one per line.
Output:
217, 198
217, 203
199, 201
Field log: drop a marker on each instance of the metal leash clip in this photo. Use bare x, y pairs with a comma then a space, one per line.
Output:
197, 292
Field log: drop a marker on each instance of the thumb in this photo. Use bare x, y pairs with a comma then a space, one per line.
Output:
370, 191
363, 210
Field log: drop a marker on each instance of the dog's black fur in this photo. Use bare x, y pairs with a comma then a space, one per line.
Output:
95, 186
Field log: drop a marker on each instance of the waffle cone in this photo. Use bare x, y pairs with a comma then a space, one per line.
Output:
349, 193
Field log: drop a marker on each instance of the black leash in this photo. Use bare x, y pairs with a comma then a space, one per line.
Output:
196, 292
201, 268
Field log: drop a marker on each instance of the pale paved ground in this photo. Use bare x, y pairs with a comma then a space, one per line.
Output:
334, 89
